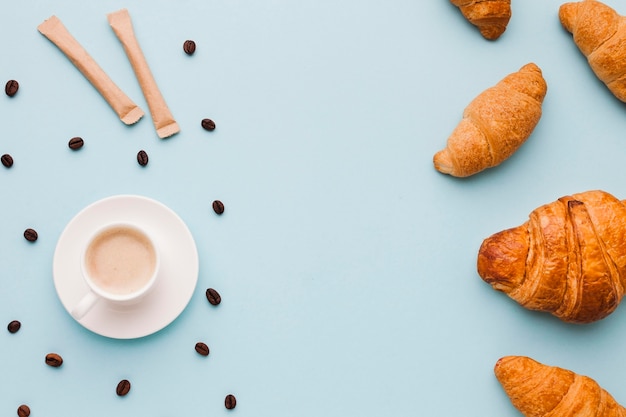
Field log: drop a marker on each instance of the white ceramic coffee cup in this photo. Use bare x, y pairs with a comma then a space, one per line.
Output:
120, 264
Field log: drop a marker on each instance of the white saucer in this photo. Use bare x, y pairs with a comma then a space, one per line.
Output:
177, 277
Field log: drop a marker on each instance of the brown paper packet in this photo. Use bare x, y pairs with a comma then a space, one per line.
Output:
56, 32
161, 116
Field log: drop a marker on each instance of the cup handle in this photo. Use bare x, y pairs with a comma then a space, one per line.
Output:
84, 305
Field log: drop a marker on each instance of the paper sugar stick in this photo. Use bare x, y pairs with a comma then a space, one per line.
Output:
161, 116
55, 31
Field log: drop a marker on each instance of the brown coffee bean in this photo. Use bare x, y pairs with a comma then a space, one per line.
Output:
218, 207
202, 348
11, 88
213, 296
123, 387
23, 410
54, 359
189, 47
76, 143
208, 124
230, 401
7, 160
30, 235
14, 326
142, 158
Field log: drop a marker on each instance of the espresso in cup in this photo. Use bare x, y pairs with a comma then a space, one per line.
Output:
120, 260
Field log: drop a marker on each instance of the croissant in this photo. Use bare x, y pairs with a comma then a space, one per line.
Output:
538, 390
490, 16
600, 34
495, 124
568, 259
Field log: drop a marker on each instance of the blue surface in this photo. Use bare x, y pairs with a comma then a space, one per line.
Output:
345, 262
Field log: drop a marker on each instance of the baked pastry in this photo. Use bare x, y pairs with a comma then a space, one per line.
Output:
568, 259
538, 390
600, 34
495, 124
490, 16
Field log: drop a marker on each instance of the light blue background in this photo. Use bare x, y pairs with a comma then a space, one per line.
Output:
346, 263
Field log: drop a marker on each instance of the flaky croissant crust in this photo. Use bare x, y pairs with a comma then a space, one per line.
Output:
538, 390
491, 17
494, 124
568, 259
600, 34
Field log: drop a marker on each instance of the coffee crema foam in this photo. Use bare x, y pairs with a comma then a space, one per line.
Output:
120, 260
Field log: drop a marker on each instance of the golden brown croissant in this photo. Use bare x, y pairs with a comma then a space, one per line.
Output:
600, 34
490, 16
495, 124
568, 259
538, 390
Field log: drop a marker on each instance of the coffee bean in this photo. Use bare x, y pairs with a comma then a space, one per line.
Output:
14, 326
208, 124
23, 410
213, 296
7, 160
230, 401
202, 348
142, 158
123, 387
218, 207
76, 143
11, 88
30, 235
189, 47
53, 359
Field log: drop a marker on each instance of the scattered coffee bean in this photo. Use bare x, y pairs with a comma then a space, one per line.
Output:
23, 410
11, 88
30, 235
53, 359
230, 401
123, 387
208, 124
7, 160
213, 296
142, 158
76, 143
202, 348
189, 47
218, 207
14, 326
